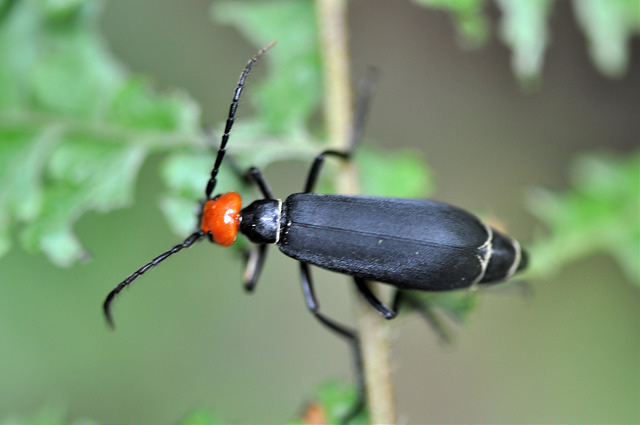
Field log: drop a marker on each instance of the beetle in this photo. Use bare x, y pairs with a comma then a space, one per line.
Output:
411, 244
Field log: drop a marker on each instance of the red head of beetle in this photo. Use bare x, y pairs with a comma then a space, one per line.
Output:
221, 218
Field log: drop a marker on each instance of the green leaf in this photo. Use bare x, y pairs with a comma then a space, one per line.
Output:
469, 18
185, 173
524, 29
86, 173
285, 101
457, 305
136, 106
609, 26
398, 174
333, 401
74, 129
287, 98
51, 413
201, 417
599, 213
23, 153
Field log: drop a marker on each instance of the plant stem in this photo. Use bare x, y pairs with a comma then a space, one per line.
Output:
373, 332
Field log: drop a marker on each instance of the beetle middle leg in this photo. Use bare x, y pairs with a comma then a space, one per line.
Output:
362, 286
365, 92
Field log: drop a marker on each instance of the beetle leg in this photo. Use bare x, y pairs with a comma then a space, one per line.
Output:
382, 308
254, 261
314, 306
318, 162
398, 300
361, 110
255, 175
425, 311
348, 334
251, 176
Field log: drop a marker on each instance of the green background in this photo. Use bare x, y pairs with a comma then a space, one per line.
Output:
189, 337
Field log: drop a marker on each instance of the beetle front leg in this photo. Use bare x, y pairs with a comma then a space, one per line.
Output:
253, 266
256, 177
318, 162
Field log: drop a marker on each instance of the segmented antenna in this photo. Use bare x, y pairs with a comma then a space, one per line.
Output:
159, 259
230, 119
210, 186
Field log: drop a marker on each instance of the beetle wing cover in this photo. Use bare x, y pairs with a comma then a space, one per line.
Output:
413, 244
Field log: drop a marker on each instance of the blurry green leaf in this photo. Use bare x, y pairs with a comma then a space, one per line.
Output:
201, 417
252, 146
74, 129
470, 20
23, 153
50, 414
136, 106
609, 26
185, 174
333, 401
86, 173
287, 98
599, 213
457, 305
285, 101
398, 174
524, 29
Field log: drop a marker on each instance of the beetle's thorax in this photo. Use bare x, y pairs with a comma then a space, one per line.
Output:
260, 221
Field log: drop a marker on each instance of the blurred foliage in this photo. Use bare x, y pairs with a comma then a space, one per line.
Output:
472, 24
201, 417
599, 213
608, 25
401, 173
286, 99
332, 401
524, 30
50, 414
75, 129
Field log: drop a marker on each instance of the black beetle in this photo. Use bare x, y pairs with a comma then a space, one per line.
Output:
411, 244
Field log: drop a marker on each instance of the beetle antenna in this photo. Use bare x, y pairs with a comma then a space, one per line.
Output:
364, 94
159, 259
230, 119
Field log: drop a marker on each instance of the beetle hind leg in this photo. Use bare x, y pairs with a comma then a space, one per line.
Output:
426, 311
349, 335
382, 308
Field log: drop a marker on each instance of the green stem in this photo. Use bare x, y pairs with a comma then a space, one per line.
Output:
373, 332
